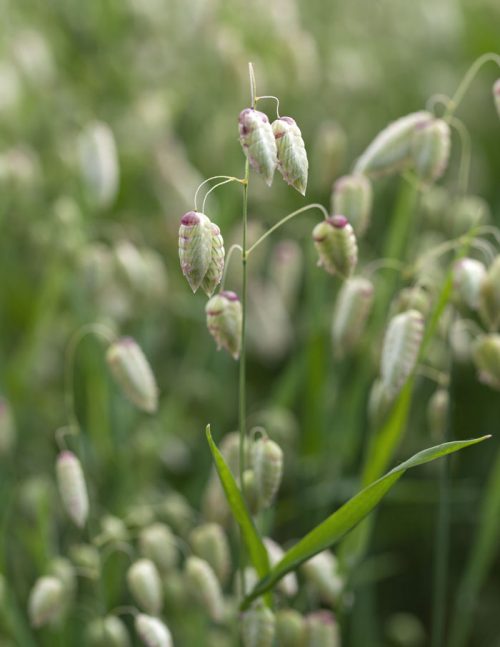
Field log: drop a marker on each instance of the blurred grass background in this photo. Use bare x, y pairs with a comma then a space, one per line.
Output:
169, 77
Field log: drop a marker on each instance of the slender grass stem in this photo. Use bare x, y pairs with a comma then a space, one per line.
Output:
456, 99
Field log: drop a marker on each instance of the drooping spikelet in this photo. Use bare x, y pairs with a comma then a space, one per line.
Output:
468, 274
145, 585
46, 600
258, 627
288, 585
290, 628
353, 306
292, 156
352, 196
98, 159
400, 349
430, 149
390, 151
157, 542
109, 631
132, 371
205, 587
72, 488
258, 143
209, 542
152, 631
196, 246
336, 245
267, 462
323, 574
486, 355
224, 317
216, 266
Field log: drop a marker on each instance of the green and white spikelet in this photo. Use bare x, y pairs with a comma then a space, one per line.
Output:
216, 266
400, 349
292, 157
468, 274
72, 488
258, 627
209, 541
205, 587
109, 631
132, 372
352, 309
390, 151
352, 196
145, 585
486, 355
258, 143
430, 149
46, 601
290, 628
267, 460
152, 631
224, 318
322, 630
336, 245
196, 246
288, 585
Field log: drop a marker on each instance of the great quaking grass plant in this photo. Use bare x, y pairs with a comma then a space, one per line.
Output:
450, 296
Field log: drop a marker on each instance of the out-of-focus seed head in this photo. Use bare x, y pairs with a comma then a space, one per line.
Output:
216, 266
224, 317
152, 631
196, 247
288, 585
215, 507
290, 628
352, 309
63, 569
133, 373
292, 157
99, 166
145, 585
109, 631
113, 530
336, 245
430, 149
72, 488
86, 559
465, 213
405, 630
415, 297
258, 626
269, 327
352, 196
322, 573
157, 543
267, 463
7, 428
468, 274
489, 296
258, 143
379, 403
209, 542
486, 355
46, 601
205, 587
251, 491
322, 630
250, 579
496, 95
285, 270
437, 413
329, 148
400, 349
390, 151
178, 513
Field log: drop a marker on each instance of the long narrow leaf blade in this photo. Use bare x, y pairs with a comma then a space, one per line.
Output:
346, 517
256, 549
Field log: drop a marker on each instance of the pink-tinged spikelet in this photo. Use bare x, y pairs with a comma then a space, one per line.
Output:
400, 349
352, 309
430, 149
152, 631
258, 626
292, 156
195, 247
336, 245
224, 317
72, 488
258, 143
216, 266
352, 196
390, 151
132, 371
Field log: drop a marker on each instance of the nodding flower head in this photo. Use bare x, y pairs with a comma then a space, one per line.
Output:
258, 143
292, 157
336, 245
224, 318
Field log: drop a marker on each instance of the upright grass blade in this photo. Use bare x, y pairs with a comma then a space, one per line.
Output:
482, 554
256, 549
346, 517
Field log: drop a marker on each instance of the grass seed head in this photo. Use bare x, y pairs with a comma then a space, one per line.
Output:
496, 95
46, 601
292, 157
109, 631
216, 266
72, 488
336, 245
205, 587
267, 463
290, 628
145, 585
288, 585
430, 149
258, 143
400, 349
468, 275
437, 413
352, 196
352, 309
322, 573
390, 151
196, 247
209, 541
258, 626
99, 166
322, 630
152, 631
158, 544
224, 318
486, 355
132, 372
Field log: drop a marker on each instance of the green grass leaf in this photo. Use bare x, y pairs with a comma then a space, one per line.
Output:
346, 517
256, 549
